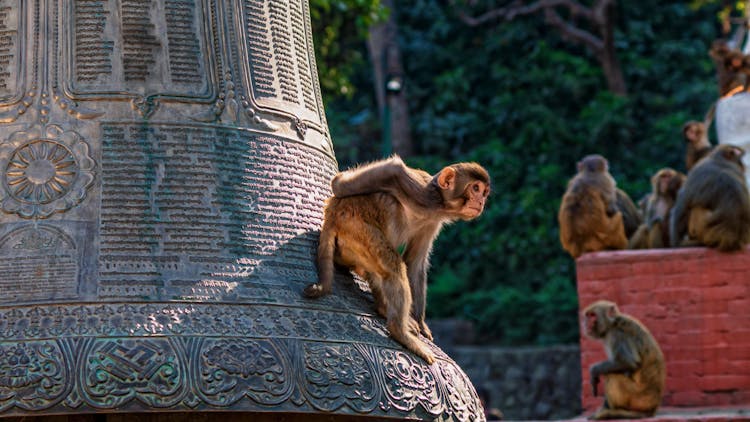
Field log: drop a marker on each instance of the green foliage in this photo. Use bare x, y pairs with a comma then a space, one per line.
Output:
339, 30
527, 105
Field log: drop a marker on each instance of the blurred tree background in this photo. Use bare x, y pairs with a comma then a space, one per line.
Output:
527, 102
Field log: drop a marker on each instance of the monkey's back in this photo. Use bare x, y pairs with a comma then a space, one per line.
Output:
583, 220
649, 379
358, 216
720, 188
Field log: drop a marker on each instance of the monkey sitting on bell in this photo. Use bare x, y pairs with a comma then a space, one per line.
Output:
634, 372
380, 206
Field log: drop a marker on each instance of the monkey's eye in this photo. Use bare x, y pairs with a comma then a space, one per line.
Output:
476, 187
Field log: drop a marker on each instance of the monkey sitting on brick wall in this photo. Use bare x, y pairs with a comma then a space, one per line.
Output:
634, 373
589, 217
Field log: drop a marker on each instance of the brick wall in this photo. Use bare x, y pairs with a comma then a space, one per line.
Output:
696, 303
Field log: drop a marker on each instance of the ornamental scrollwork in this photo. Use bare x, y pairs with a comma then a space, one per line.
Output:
338, 375
232, 369
33, 375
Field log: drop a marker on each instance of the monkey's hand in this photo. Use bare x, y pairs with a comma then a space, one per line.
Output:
378, 176
594, 382
654, 220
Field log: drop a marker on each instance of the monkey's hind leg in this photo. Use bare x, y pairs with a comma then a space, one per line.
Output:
395, 286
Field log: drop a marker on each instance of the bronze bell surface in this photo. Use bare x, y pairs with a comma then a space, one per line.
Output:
164, 165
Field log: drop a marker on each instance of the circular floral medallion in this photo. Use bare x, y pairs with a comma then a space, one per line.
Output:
44, 170
40, 172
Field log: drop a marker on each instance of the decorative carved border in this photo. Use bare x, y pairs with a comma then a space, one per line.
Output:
152, 357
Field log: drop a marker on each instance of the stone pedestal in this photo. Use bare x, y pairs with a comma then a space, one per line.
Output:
733, 124
163, 164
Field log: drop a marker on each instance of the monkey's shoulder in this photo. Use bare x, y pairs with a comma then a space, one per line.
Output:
627, 328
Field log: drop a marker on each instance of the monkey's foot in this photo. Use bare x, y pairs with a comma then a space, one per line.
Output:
425, 330
425, 354
414, 326
606, 413
315, 290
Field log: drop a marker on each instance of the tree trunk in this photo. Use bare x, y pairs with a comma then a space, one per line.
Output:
385, 56
604, 17
613, 72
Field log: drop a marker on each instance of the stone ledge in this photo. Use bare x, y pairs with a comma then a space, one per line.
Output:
726, 414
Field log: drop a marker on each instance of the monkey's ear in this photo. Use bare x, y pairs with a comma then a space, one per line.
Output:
447, 178
612, 312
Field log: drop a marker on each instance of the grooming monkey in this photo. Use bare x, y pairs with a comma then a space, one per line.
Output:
654, 232
381, 206
696, 141
589, 218
634, 372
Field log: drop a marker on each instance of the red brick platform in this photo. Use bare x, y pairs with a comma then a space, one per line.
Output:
696, 302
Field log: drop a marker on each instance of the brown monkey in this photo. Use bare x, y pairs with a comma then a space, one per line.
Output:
654, 232
588, 216
696, 140
731, 68
713, 206
381, 206
634, 371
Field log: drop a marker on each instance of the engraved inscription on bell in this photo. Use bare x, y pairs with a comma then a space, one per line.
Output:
142, 47
10, 49
282, 63
37, 263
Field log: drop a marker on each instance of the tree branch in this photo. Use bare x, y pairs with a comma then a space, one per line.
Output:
573, 33
519, 8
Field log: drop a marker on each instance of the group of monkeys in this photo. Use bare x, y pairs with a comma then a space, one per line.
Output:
710, 206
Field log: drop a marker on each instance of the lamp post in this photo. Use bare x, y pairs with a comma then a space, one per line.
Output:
393, 86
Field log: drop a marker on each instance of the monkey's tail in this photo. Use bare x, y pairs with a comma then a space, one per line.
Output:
326, 249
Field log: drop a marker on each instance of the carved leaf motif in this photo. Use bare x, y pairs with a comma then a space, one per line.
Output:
459, 394
32, 375
231, 369
409, 383
339, 375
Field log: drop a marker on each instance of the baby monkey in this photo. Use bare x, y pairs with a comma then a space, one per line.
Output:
385, 205
634, 372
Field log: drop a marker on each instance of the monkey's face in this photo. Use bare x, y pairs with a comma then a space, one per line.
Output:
663, 179
693, 133
475, 194
593, 325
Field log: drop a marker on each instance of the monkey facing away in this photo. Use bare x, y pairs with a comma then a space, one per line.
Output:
696, 141
634, 372
589, 218
654, 232
713, 206
380, 207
